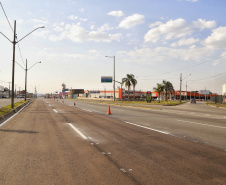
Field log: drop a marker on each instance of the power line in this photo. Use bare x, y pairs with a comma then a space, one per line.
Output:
194, 65
13, 31
208, 77
6, 16
20, 54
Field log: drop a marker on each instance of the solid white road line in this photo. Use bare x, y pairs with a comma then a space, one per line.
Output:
55, 110
200, 124
81, 134
163, 132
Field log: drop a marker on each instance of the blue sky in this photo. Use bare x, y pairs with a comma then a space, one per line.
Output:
154, 40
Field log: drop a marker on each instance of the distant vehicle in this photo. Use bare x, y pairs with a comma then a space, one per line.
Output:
193, 100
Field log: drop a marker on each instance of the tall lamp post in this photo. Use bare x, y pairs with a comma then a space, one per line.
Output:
26, 69
113, 74
14, 42
181, 83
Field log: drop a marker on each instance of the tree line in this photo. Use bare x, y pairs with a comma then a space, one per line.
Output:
165, 86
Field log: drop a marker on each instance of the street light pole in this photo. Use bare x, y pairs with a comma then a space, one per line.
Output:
113, 74
26, 69
25, 93
181, 84
13, 68
14, 42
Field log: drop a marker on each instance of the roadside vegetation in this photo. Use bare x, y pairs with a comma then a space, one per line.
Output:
221, 105
7, 109
131, 103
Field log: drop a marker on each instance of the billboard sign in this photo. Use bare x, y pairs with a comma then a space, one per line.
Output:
106, 79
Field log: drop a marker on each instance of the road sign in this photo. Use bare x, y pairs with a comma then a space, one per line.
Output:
106, 79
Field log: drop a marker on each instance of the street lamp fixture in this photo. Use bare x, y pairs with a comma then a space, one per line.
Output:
181, 83
113, 74
14, 42
26, 69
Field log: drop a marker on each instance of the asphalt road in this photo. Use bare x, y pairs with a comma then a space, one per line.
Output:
50, 142
195, 122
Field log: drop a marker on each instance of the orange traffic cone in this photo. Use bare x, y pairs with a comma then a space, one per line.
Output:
109, 110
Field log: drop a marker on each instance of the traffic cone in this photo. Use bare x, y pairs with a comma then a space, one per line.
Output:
109, 110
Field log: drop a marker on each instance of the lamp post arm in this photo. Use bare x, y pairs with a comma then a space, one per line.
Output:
30, 33
33, 65
19, 65
6, 37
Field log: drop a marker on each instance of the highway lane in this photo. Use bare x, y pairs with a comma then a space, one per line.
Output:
53, 143
147, 157
37, 146
195, 122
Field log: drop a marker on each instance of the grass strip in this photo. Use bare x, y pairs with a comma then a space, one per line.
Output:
6, 109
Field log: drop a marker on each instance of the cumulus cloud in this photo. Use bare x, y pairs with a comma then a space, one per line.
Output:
217, 39
73, 17
77, 33
184, 42
172, 29
118, 13
155, 24
161, 54
203, 24
132, 21
175, 29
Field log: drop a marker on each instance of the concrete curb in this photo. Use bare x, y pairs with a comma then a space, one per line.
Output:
14, 111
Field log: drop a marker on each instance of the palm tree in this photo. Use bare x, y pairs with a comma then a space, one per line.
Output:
168, 87
127, 82
134, 83
158, 89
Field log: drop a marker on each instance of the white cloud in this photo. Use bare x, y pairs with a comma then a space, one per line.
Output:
172, 29
132, 21
118, 13
77, 33
73, 17
203, 24
175, 29
185, 42
192, 1
162, 54
43, 21
217, 39
155, 24
105, 27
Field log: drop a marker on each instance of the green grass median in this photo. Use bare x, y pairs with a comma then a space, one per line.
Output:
131, 103
6, 109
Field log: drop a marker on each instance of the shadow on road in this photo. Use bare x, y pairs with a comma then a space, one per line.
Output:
19, 131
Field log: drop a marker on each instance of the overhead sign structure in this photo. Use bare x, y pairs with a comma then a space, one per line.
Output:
106, 79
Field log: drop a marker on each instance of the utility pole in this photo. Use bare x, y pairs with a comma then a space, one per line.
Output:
14, 42
25, 93
180, 85
186, 92
13, 68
